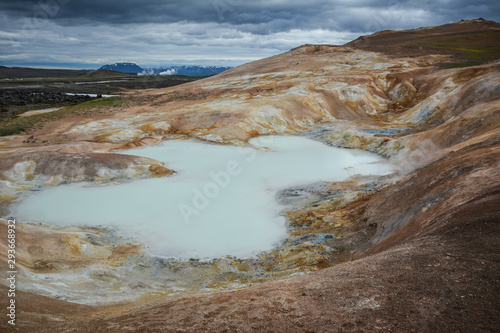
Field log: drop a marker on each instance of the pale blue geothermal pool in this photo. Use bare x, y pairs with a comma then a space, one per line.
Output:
222, 201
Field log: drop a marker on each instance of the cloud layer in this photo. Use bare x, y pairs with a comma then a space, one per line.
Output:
89, 33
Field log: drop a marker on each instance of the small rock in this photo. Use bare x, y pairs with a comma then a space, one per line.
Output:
160, 171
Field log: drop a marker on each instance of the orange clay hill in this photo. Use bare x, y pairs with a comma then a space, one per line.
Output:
416, 251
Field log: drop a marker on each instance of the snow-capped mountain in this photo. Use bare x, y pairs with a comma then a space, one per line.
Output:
188, 70
124, 67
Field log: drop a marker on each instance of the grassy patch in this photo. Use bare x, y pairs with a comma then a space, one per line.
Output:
468, 49
19, 125
13, 128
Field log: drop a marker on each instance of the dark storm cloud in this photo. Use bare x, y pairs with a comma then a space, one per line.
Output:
116, 11
286, 14
67, 29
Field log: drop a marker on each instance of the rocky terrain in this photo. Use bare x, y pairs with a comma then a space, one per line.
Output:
20, 92
415, 251
11, 99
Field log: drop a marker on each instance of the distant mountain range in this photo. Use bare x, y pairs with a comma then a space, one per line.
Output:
124, 67
187, 70
191, 70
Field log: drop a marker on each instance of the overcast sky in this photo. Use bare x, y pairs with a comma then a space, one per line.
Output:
91, 33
